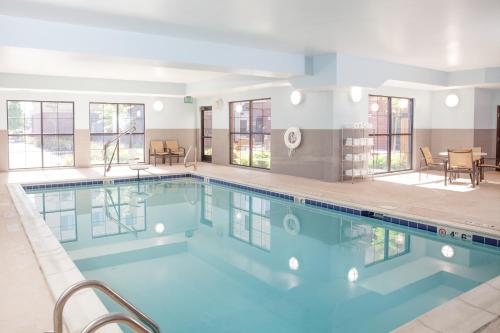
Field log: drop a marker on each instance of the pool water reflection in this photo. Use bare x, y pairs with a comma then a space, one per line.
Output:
204, 258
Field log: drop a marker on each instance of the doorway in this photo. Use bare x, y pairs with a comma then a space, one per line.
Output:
392, 122
206, 133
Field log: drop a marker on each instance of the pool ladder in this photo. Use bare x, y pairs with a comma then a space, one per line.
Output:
139, 323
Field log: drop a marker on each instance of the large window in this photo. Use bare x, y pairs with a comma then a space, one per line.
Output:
385, 244
117, 211
250, 131
41, 134
391, 118
109, 119
250, 220
59, 213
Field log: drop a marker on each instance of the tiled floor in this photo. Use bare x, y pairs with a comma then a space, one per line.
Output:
26, 305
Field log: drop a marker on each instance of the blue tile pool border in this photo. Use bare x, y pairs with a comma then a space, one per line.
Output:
327, 205
279, 195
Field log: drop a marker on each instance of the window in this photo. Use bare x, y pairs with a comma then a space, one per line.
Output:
107, 120
207, 205
385, 244
117, 211
250, 133
391, 118
59, 213
250, 220
41, 134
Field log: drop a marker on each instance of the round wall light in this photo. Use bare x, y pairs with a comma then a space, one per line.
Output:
296, 97
159, 228
356, 94
447, 251
294, 264
451, 100
158, 106
352, 275
375, 107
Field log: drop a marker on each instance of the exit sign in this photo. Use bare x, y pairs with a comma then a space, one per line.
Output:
188, 99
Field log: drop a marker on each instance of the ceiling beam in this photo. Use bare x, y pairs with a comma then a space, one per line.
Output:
166, 51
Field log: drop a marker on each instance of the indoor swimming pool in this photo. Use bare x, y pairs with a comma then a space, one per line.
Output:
204, 257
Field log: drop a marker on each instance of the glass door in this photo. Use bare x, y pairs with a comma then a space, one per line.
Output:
391, 118
206, 133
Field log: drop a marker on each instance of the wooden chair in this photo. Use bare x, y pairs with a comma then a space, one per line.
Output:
494, 164
428, 161
174, 150
460, 161
157, 149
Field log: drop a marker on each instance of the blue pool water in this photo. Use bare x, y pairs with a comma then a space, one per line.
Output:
205, 258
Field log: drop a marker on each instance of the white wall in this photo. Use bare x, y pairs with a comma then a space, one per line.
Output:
332, 109
345, 111
459, 117
315, 112
175, 115
485, 105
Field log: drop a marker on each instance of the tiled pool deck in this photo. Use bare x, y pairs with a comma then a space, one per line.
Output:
400, 199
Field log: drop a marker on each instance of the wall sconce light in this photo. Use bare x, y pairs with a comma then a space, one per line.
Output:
356, 94
158, 106
451, 100
296, 97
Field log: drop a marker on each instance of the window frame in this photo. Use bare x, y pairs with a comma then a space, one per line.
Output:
250, 133
41, 132
386, 240
251, 214
45, 211
118, 206
390, 135
117, 105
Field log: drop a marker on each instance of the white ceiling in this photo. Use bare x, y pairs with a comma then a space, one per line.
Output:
439, 34
54, 63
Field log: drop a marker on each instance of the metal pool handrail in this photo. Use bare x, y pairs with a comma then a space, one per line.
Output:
94, 284
118, 318
129, 131
195, 164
